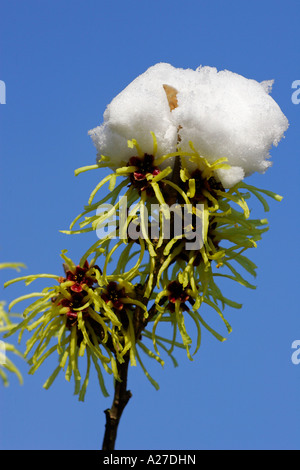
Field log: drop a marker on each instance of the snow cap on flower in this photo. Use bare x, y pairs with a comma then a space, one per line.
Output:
141, 108
222, 113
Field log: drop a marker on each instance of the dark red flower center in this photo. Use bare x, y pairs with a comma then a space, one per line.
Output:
144, 166
80, 278
75, 302
201, 183
113, 293
177, 292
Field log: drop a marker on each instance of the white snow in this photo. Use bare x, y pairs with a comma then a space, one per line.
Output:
224, 114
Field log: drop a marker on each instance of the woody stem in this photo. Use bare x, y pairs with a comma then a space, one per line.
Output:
113, 414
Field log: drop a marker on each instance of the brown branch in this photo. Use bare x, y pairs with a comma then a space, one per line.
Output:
113, 414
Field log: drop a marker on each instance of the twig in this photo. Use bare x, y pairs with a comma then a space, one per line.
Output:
113, 414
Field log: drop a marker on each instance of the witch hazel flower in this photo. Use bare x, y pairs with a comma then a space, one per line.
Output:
144, 166
186, 138
223, 114
80, 278
85, 314
114, 294
119, 296
73, 316
177, 294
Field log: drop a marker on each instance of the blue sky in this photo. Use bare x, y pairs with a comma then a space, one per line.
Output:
62, 63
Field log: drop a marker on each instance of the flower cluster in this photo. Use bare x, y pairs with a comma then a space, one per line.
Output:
179, 279
196, 138
84, 316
